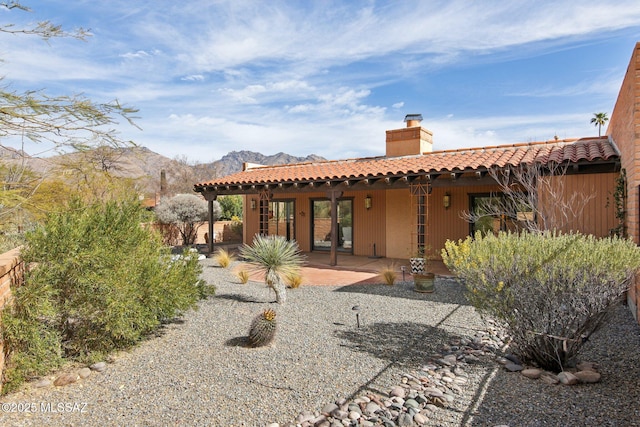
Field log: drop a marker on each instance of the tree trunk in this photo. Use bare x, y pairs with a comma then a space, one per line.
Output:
273, 280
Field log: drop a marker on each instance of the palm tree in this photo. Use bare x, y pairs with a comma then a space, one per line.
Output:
599, 119
276, 257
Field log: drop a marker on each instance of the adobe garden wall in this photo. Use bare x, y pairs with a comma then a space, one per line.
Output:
11, 275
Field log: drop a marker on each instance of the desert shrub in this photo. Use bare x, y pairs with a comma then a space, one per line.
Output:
236, 225
169, 232
293, 280
187, 212
230, 207
276, 257
10, 241
99, 281
32, 343
243, 275
223, 258
389, 274
550, 291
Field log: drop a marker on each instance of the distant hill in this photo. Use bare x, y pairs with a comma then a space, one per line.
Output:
145, 165
232, 162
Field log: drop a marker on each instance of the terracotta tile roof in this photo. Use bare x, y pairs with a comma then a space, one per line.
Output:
470, 159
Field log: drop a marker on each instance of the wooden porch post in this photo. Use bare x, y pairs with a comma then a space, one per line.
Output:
333, 255
211, 220
210, 197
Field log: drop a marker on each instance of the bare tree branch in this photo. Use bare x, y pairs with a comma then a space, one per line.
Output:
533, 197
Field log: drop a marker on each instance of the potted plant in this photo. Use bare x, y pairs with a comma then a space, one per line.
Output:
417, 260
423, 279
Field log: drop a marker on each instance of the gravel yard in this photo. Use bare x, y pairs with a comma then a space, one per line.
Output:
197, 371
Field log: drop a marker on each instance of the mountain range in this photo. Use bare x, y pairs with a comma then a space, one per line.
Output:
146, 166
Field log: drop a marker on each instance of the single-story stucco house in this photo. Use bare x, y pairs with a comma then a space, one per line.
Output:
416, 195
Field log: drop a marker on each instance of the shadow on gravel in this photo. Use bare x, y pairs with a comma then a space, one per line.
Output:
407, 343
611, 402
240, 298
165, 324
237, 342
447, 291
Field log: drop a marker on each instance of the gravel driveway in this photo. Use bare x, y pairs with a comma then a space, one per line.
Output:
197, 371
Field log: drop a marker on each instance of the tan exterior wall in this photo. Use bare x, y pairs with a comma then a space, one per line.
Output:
398, 224
369, 225
594, 207
447, 224
250, 218
624, 127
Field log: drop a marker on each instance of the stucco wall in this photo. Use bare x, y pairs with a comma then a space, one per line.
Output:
624, 127
398, 224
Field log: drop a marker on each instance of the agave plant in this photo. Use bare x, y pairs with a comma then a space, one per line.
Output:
276, 257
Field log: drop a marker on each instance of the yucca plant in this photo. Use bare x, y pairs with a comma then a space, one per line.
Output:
263, 328
276, 257
243, 275
223, 258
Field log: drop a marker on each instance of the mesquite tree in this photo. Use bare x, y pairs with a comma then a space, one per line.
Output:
61, 122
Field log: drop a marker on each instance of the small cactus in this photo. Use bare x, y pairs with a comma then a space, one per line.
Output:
263, 328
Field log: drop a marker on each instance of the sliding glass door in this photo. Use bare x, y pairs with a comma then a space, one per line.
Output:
321, 225
282, 218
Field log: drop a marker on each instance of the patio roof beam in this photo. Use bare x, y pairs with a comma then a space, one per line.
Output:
471, 177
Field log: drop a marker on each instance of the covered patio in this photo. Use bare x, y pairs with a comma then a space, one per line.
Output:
352, 269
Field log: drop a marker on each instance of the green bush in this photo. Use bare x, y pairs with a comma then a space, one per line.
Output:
550, 291
100, 281
10, 241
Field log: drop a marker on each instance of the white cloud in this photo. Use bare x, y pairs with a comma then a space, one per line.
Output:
307, 76
193, 78
138, 54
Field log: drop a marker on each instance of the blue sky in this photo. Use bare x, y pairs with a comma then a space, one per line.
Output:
329, 77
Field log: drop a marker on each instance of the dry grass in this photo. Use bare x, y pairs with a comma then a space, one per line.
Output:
223, 258
293, 280
389, 274
243, 275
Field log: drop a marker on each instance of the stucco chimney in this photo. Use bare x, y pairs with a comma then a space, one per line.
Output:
411, 140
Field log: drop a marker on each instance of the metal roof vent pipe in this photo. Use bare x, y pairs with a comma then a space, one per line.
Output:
413, 120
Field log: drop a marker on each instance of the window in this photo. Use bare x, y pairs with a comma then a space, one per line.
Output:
493, 212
